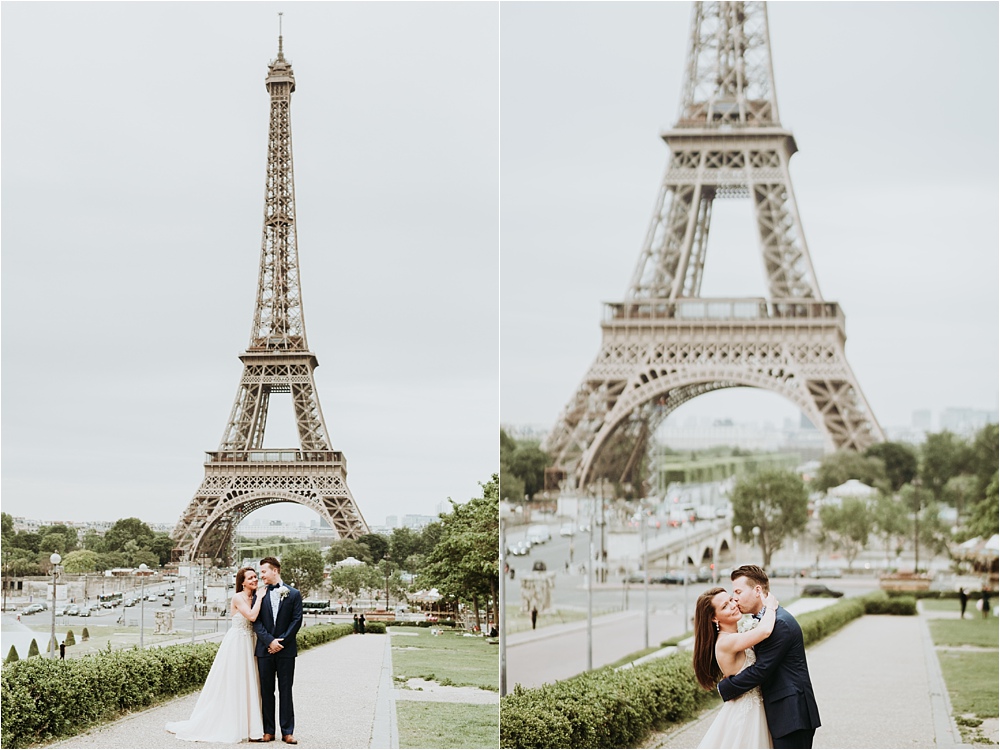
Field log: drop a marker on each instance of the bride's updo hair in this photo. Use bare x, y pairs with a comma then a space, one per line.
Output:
240, 575
706, 667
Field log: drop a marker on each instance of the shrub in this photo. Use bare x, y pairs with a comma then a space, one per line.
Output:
374, 627
70, 639
12, 656
85, 635
33, 648
878, 603
603, 708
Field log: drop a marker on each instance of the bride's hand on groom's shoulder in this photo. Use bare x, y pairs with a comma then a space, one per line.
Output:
771, 601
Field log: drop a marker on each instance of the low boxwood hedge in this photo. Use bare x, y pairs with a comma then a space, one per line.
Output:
44, 699
607, 708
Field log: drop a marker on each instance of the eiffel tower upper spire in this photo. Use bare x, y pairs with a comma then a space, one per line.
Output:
730, 80
278, 322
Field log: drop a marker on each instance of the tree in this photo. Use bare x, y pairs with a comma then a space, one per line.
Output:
774, 501
511, 487
93, 541
890, 523
404, 543
899, 459
985, 457
961, 492
377, 543
69, 535
6, 527
52, 543
837, 468
348, 581
528, 463
915, 499
848, 526
81, 561
984, 514
125, 530
162, 546
341, 549
33, 648
943, 455
303, 567
12, 656
70, 638
465, 562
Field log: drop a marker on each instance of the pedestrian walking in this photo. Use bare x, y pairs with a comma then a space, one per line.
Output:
534, 616
963, 600
62, 650
357, 627
361, 623
986, 602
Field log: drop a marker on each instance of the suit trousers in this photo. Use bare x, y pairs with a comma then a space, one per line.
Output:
283, 668
801, 738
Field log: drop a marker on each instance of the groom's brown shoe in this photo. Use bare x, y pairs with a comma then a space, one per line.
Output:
265, 738
290, 739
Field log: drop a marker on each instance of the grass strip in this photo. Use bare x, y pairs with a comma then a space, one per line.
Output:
969, 632
449, 659
447, 725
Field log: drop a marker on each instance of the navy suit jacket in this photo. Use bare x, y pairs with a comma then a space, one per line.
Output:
288, 624
783, 676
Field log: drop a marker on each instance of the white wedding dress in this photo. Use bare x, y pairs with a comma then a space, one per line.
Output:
741, 722
228, 709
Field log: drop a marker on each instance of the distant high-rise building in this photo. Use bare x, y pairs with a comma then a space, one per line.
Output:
922, 419
392, 522
965, 421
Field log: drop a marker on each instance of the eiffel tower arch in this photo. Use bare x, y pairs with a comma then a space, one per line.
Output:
666, 344
243, 475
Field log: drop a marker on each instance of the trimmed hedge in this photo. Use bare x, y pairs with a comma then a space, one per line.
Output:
70, 639
44, 699
607, 708
12, 655
603, 708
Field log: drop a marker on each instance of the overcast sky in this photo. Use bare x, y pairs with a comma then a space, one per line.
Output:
134, 152
895, 109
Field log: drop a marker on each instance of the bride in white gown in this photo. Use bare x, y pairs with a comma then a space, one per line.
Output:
228, 709
720, 650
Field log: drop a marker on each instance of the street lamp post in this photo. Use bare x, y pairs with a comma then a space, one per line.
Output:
503, 607
385, 559
590, 595
737, 530
685, 577
55, 559
645, 579
756, 539
6, 577
142, 605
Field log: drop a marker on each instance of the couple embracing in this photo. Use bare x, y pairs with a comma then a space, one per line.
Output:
757, 663
258, 648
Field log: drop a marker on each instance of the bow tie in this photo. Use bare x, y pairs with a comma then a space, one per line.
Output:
271, 587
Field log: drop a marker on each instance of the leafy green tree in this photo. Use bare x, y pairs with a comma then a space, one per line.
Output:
837, 468
52, 543
900, 461
774, 501
26, 540
985, 457
81, 561
93, 541
390, 575
162, 546
69, 535
349, 581
528, 463
404, 543
377, 543
341, 549
984, 514
848, 526
127, 530
6, 527
464, 564
22, 562
303, 567
511, 487
961, 492
943, 456
890, 523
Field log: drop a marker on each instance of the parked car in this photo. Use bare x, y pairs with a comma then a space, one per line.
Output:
168, 602
566, 529
73, 611
519, 548
84, 613
130, 602
674, 576
818, 589
785, 573
828, 573
638, 577
32, 609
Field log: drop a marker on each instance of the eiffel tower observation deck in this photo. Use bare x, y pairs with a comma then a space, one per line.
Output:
244, 475
665, 344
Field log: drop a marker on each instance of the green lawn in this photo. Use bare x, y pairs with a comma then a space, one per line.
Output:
519, 622
950, 605
449, 659
972, 678
967, 632
447, 725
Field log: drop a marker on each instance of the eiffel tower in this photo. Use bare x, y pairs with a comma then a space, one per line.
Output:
666, 344
242, 475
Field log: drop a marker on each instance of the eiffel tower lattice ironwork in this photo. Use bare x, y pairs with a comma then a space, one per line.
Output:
242, 475
666, 344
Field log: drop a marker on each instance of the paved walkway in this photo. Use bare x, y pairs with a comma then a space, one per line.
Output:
878, 685
343, 699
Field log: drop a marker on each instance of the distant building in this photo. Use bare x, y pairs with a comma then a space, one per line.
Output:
966, 422
922, 420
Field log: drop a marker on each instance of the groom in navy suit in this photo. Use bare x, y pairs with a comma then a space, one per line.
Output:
781, 670
279, 620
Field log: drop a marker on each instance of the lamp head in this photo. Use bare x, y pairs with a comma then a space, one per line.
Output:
54, 558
